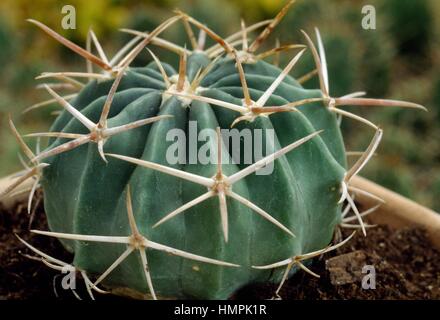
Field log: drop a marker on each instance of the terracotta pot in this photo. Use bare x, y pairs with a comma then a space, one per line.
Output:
397, 211
18, 194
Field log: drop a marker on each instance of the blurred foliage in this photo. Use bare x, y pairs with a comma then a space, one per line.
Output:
410, 24
399, 60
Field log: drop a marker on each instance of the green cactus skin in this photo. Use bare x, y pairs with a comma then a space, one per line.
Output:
84, 195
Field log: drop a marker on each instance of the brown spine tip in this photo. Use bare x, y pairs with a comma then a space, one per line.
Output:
72, 46
182, 71
269, 29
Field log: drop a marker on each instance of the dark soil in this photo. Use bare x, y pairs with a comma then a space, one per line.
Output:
406, 266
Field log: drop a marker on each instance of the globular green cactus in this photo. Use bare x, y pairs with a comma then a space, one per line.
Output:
140, 223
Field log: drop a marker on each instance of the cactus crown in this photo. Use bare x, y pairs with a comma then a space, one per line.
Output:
198, 229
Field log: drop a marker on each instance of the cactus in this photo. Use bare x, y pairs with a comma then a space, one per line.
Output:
139, 224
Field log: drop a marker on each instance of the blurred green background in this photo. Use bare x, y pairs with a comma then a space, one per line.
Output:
400, 60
